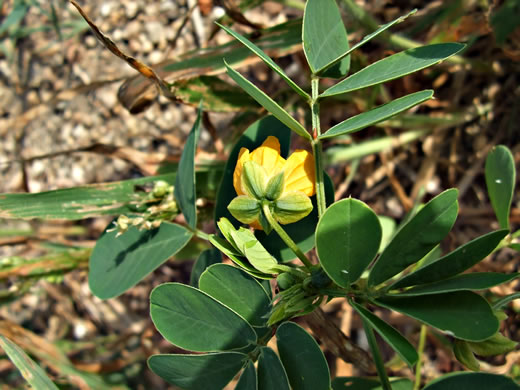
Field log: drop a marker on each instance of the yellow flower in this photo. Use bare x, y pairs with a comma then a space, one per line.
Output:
263, 177
298, 169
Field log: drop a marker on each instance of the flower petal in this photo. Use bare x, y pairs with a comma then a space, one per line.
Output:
299, 173
243, 156
268, 156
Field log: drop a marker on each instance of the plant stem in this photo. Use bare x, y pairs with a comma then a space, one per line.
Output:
317, 149
285, 237
201, 234
293, 3
376, 355
420, 351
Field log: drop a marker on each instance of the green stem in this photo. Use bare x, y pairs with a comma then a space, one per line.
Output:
376, 355
298, 4
317, 149
285, 237
201, 234
420, 351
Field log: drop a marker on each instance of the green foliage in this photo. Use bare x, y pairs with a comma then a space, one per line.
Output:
192, 372
402, 346
205, 259
347, 240
118, 263
202, 323
472, 281
79, 202
223, 282
261, 54
325, 39
474, 381
395, 66
358, 383
505, 20
378, 114
500, 180
418, 237
462, 314
185, 180
269, 104
455, 262
308, 369
271, 373
248, 379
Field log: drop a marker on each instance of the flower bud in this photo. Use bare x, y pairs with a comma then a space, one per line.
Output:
160, 188
254, 180
285, 281
275, 186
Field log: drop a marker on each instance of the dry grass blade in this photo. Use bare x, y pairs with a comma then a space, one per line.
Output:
48, 265
147, 163
42, 349
143, 69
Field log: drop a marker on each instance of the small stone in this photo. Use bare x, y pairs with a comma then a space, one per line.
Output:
133, 28
32, 98
152, 9
105, 9
169, 7
134, 45
38, 167
155, 31
131, 9
78, 174
155, 56
146, 44
117, 35
90, 41
108, 96
80, 330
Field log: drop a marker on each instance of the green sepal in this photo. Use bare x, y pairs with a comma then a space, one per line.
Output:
278, 314
245, 208
496, 345
266, 226
464, 355
275, 186
292, 207
254, 180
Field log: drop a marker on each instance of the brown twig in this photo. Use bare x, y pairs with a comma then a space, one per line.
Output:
338, 343
143, 69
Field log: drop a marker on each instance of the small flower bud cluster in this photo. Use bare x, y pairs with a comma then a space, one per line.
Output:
164, 208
